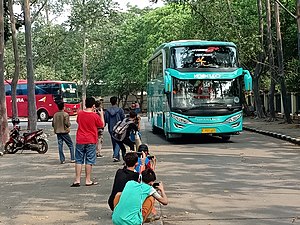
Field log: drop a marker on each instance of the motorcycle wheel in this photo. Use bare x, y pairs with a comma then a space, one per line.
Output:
10, 148
43, 146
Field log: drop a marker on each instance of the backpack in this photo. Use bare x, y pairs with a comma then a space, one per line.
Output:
120, 129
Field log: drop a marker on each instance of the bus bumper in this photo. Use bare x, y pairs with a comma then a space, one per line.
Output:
230, 124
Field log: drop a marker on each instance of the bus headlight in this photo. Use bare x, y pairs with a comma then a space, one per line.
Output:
233, 118
180, 119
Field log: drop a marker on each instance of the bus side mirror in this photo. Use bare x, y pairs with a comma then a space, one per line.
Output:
247, 80
167, 79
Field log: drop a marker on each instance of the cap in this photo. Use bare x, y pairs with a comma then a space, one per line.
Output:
143, 148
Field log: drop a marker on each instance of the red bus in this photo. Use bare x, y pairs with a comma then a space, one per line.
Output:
47, 94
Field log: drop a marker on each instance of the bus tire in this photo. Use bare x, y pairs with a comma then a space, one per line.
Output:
225, 137
43, 115
155, 130
168, 136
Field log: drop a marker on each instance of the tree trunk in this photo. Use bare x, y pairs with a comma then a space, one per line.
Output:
17, 60
259, 64
287, 116
125, 100
3, 113
298, 26
32, 115
271, 62
142, 99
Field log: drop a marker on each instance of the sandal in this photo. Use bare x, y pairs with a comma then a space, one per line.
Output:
91, 184
75, 185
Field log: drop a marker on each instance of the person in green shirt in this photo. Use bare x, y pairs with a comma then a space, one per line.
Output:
137, 200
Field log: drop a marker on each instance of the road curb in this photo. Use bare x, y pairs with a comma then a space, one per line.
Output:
274, 134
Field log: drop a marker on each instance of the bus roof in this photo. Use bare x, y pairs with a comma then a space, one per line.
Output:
192, 42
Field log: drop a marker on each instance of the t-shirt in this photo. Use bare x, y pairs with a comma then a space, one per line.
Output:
128, 210
88, 124
147, 163
122, 176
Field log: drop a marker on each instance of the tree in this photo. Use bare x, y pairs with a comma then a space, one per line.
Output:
298, 26
259, 64
32, 115
16, 59
271, 62
281, 76
3, 114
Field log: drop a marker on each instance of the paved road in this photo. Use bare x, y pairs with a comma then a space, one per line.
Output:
252, 179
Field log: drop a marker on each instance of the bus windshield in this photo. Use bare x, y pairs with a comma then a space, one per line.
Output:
69, 93
192, 94
196, 57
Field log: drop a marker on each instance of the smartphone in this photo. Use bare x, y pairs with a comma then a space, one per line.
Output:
155, 185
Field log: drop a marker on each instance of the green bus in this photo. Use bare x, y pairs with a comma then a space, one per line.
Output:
196, 87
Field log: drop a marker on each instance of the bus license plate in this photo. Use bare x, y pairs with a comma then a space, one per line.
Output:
208, 130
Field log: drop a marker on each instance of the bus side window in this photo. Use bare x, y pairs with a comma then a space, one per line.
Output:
22, 89
8, 89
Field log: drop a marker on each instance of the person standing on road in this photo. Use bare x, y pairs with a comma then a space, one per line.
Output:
99, 111
61, 124
86, 139
137, 107
134, 204
132, 128
112, 115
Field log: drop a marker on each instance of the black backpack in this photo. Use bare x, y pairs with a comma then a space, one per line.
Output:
120, 129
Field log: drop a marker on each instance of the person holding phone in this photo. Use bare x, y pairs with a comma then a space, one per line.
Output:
136, 201
150, 160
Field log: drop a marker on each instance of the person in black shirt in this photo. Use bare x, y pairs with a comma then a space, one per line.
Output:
123, 175
132, 127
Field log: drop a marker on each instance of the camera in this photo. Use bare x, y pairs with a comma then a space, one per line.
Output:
140, 154
155, 185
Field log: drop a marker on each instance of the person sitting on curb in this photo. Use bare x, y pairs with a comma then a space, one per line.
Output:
134, 204
123, 175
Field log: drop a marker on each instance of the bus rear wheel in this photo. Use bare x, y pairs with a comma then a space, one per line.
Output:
43, 115
155, 129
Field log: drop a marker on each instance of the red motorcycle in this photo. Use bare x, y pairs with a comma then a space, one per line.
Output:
34, 141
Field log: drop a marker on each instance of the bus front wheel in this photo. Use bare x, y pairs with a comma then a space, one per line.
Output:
43, 115
168, 136
225, 137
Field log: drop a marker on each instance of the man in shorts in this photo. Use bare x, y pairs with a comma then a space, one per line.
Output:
86, 140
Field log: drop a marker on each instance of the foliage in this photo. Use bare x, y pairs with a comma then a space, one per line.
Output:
120, 43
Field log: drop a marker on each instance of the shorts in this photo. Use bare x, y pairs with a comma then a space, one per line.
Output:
85, 154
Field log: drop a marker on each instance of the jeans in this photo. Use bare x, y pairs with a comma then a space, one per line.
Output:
127, 142
85, 154
116, 148
61, 138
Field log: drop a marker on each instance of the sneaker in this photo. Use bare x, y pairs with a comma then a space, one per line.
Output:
116, 160
62, 162
72, 161
99, 156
